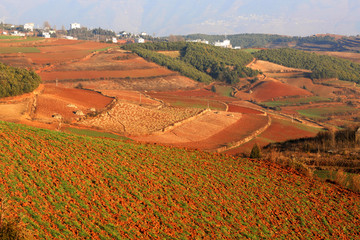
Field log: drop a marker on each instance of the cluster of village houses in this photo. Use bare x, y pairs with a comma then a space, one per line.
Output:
28, 30
139, 38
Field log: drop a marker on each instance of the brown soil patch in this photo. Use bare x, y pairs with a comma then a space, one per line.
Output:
143, 73
271, 89
354, 57
160, 83
206, 133
266, 66
133, 119
13, 111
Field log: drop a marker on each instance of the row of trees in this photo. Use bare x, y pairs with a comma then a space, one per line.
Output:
322, 66
173, 64
16, 81
221, 64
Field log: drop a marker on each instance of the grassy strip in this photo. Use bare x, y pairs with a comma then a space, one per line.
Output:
91, 133
322, 113
19, 50
295, 101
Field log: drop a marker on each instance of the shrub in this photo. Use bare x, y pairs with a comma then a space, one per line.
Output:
255, 151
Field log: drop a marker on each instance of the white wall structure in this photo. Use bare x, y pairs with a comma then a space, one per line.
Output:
75, 26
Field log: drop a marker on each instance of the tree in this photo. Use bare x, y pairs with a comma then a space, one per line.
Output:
255, 151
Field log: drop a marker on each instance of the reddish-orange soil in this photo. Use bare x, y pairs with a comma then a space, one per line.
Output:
272, 89
63, 101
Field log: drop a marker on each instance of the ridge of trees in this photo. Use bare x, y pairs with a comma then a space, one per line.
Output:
16, 81
201, 62
250, 40
322, 66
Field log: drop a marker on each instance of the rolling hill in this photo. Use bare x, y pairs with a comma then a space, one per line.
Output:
68, 186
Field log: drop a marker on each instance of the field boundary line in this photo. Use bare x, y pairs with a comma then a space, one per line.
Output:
236, 144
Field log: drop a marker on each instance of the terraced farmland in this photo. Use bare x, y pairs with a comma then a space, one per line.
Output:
69, 186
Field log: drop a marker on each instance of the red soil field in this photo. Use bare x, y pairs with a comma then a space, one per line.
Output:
196, 134
143, 73
280, 130
130, 96
55, 100
241, 109
267, 90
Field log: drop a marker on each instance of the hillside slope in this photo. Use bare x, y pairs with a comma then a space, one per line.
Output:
69, 187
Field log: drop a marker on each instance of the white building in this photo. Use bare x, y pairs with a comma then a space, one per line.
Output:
75, 26
199, 41
143, 34
46, 35
114, 40
225, 44
29, 26
139, 40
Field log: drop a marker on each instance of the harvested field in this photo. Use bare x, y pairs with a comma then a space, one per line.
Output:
193, 99
210, 131
131, 96
241, 109
280, 130
159, 83
354, 57
64, 101
133, 119
271, 89
81, 75
268, 67
13, 112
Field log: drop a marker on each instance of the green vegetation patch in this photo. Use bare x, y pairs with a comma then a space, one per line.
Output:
9, 37
201, 62
91, 133
296, 101
16, 81
322, 66
19, 50
71, 187
225, 91
322, 113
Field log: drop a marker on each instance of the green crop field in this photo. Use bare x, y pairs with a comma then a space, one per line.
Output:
75, 187
92, 133
19, 50
322, 113
296, 101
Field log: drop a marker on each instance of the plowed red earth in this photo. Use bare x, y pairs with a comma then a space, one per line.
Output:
55, 100
279, 130
196, 134
267, 90
81, 75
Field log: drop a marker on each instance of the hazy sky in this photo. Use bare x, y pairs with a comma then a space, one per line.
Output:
164, 17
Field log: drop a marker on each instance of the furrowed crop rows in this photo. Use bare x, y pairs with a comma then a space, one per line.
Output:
135, 119
69, 186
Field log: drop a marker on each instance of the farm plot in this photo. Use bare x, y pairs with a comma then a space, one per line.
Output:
280, 130
271, 89
72, 187
211, 131
66, 102
132, 119
192, 98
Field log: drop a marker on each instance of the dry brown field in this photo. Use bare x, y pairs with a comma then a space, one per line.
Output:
354, 57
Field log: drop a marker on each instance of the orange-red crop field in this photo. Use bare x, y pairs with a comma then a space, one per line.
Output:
72, 187
268, 90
